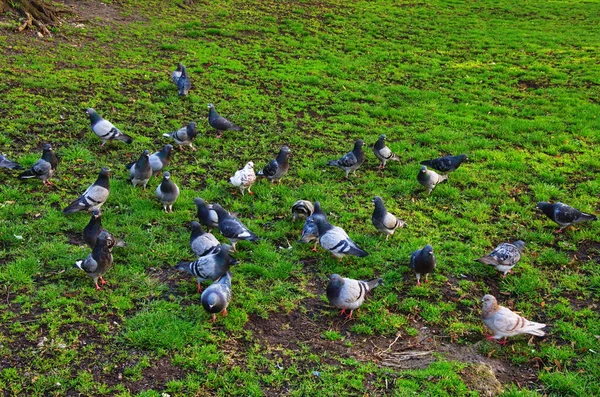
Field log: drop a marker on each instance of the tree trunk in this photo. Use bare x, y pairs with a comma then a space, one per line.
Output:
36, 12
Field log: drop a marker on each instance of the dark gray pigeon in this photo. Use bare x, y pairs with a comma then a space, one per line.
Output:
206, 214
160, 159
94, 196
177, 73
383, 220
6, 163
423, 262
183, 82
352, 160
220, 123
564, 215
349, 294
167, 192
105, 130
201, 242
336, 240
430, 179
302, 209
44, 168
100, 260
216, 297
504, 257
184, 136
93, 229
209, 267
231, 227
383, 153
277, 168
140, 171
447, 163
310, 231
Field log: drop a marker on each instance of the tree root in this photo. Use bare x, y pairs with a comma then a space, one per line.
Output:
38, 14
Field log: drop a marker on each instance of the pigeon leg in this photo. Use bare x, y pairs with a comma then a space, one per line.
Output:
502, 342
193, 148
213, 318
349, 316
559, 230
97, 286
102, 281
103, 143
490, 337
387, 237
249, 192
199, 288
343, 311
181, 148
219, 134
233, 249
354, 172
224, 312
426, 279
314, 248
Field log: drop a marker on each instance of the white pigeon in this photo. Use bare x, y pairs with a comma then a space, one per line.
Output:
244, 178
504, 323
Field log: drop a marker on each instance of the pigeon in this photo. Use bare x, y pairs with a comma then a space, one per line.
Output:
140, 171
352, 160
563, 214
383, 220
302, 209
220, 123
183, 82
349, 294
177, 73
167, 192
244, 178
423, 262
6, 163
93, 229
184, 135
206, 215
160, 159
105, 129
231, 227
446, 164
310, 231
276, 169
336, 240
209, 267
430, 179
94, 196
44, 168
504, 323
382, 152
201, 242
216, 297
504, 257
100, 260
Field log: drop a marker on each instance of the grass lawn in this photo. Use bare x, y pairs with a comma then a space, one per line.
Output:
513, 84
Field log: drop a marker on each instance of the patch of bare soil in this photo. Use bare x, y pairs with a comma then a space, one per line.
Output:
97, 12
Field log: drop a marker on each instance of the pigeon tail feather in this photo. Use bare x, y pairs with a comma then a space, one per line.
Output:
488, 260
374, 283
124, 138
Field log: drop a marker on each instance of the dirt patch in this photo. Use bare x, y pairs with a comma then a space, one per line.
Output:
89, 11
588, 251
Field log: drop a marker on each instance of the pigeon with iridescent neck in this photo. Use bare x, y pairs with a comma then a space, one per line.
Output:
382, 152
100, 260
167, 192
423, 262
219, 122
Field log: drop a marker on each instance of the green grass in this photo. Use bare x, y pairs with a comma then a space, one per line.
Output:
513, 84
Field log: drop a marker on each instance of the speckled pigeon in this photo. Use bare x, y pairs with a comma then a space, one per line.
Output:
504, 257
244, 178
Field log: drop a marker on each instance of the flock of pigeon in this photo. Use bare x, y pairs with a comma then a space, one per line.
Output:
214, 259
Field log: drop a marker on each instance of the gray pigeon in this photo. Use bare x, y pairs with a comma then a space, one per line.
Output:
184, 136
383, 220
209, 267
382, 152
423, 262
352, 160
177, 73
105, 130
349, 294
167, 192
563, 214
100, 260
94, 196
220, 123
44, 168
503, 322
336, 240
302, 209
183, 82
447, 163
93, 229
430, 179
206, 214
504, 257
310, 231
201, 242
277, 168
216, 297
6, 163
160, 159
140, 171
231, 227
